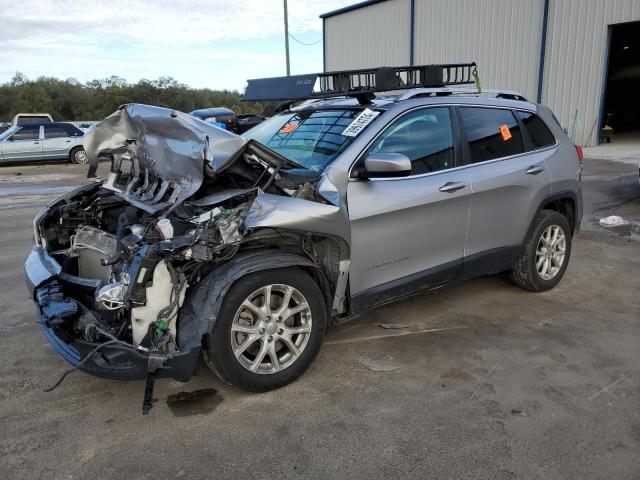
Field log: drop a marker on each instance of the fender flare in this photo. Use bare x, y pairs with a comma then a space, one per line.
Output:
200, 310
576, 198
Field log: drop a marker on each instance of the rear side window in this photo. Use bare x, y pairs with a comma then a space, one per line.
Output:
55, 131
539, 133
72, 130
424, 136
29, 132
491, 132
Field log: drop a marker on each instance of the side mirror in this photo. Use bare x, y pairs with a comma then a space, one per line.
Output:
381, 164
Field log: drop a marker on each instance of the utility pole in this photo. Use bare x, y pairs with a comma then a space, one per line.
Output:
286, 37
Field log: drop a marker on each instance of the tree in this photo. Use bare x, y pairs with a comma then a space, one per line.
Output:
68, 99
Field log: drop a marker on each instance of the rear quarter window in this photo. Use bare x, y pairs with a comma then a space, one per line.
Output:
538, 131
491, 132
73, 131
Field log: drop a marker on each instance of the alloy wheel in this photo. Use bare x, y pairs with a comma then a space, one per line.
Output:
550, 252
80, 157
271, 329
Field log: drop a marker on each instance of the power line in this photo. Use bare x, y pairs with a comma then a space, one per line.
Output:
302, 43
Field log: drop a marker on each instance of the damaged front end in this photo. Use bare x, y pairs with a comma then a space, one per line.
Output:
118, 268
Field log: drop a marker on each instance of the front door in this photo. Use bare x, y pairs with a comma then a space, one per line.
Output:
23, 145
409, 233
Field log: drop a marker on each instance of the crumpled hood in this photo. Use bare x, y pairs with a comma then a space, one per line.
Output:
168, 150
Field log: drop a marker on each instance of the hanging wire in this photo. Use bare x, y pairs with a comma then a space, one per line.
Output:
302, 43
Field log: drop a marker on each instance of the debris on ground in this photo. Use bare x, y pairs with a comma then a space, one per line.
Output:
392, 326
519, 413
613, 221
379, 367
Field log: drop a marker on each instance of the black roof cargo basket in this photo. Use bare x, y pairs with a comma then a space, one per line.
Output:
361, 84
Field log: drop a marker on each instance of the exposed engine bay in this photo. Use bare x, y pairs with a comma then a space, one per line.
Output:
181, 199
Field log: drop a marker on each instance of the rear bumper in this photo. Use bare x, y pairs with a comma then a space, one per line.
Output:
115, 361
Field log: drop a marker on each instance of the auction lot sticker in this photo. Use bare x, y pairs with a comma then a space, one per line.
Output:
360, 122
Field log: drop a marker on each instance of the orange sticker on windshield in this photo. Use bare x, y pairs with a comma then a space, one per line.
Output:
504, 131
289, 127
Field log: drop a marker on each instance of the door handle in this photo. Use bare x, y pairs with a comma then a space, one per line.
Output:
68, 141
534, 170
451, 187
36, 143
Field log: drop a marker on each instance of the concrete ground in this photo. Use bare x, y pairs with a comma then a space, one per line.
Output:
624, 147
493, 382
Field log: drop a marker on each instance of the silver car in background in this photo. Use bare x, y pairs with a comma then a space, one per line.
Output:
49, 141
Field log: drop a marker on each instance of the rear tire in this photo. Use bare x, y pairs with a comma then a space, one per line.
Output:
545, 256
265, 346
78, 156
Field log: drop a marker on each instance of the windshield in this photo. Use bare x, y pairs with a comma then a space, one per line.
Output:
8, 133
312, 139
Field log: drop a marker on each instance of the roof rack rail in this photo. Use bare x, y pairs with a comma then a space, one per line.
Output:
361, 84
425, 92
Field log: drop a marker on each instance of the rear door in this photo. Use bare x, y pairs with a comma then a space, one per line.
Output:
508, 184
56, 141
23, 145
408, 233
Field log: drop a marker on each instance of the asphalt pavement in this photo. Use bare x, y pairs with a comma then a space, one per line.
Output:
485, 381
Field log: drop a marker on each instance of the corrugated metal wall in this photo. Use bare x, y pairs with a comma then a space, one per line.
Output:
502, 36
575, 60
368, 37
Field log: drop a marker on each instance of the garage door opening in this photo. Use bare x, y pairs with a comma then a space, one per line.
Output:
622, 92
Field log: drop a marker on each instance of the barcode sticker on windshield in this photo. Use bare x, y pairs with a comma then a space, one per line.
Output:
361, 121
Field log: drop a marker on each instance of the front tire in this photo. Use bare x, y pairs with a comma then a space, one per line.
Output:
545, 257
269, 329
78, 156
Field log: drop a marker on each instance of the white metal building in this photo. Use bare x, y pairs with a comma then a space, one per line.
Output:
580, 57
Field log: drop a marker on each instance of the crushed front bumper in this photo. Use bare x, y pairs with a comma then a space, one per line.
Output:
45, 280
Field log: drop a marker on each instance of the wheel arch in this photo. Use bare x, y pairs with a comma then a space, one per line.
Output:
565, 203
73, 150
202, 305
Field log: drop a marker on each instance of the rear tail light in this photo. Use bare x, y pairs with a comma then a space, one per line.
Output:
579, 151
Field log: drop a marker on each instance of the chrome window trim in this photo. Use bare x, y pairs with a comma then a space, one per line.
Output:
460, 167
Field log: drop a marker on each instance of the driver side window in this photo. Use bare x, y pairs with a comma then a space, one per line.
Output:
425, 136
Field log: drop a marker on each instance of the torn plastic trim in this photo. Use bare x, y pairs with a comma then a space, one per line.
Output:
39, 268
117, 361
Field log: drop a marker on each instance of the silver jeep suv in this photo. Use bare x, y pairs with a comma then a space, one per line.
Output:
247, 248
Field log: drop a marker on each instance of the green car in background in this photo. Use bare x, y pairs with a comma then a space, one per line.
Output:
49, 141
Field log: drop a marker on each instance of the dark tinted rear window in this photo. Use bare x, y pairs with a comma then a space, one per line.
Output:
539, 133
491, 132
72, 130
55, 131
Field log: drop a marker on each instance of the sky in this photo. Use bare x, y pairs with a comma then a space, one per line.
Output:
204, 43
